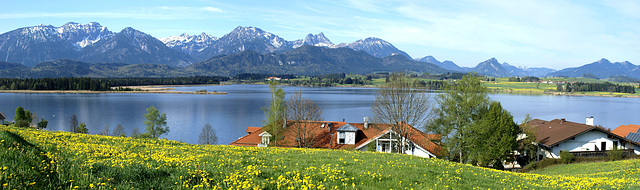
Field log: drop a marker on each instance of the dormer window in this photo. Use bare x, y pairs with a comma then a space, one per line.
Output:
347, 134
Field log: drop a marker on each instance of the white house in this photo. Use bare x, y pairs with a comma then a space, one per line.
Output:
561, 135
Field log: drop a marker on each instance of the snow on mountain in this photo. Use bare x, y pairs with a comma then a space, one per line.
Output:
188, 43
374, 46
83, 35
314, 40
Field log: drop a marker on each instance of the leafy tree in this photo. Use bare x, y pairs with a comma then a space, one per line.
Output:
118, 131
275, 112
156, 123
73, 123
42, 124
397, 102
303, 111
527, 138
82, 128
459, 107
494, 137
23, 117
208, 135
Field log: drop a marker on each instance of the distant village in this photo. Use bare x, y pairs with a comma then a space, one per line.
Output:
582, 139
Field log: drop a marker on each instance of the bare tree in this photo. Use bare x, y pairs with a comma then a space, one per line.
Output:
105, 130
208, 135
397, 102
303, 112
73, 123
118, 131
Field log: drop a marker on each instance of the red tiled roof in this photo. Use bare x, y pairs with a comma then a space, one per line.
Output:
251, 139
252, 129
624, 130
325, 137
550, 133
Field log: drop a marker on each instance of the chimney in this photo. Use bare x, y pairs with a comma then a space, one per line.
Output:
284, 125
562, 120
366, 122
590, 121
342, 119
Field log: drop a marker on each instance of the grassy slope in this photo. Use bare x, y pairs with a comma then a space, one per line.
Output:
85, 161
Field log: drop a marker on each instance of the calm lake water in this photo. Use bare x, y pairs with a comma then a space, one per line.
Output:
231, 114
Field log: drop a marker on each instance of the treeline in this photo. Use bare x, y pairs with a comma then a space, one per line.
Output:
329, 80
258, 76
163, 81
100, 84
524, 79
54, 84
595, 87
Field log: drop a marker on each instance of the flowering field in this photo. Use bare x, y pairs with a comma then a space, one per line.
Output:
47, 160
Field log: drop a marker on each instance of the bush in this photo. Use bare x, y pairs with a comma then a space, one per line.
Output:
540, 164
615, 154
566, 157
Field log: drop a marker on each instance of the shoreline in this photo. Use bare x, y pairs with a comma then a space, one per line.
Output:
164, 89
106, 92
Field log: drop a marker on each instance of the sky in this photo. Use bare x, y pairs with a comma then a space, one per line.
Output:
533, 33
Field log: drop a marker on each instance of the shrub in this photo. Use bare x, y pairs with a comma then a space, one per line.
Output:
540, 164
615, 154
566, 157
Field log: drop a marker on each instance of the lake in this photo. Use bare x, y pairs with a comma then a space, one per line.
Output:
231, 114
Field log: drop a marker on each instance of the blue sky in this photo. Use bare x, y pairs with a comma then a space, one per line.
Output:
548, 33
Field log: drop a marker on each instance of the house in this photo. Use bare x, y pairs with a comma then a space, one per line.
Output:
347, 136
580, 139
2, 118
631, 132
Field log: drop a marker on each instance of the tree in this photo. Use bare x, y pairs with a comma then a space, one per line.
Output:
397, 102
23, 117
135, 133
494, 137
73, 123
275, 113
104, 131
42, 124
156, 123
303, 112
527, 138
82, 128
459, 107
208, 135
119, 131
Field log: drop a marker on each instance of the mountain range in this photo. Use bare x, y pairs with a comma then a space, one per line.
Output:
244, 49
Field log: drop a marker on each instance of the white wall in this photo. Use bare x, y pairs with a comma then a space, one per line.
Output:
587, 142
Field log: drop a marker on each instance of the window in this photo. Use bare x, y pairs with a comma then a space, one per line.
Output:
603, 146
341, 137
385, 146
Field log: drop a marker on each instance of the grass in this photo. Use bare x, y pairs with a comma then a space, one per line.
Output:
618, 169
50, 160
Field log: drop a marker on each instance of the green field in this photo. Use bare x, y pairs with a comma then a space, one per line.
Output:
36, 159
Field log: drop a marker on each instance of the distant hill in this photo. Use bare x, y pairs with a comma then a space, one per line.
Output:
309, 60
449, 65
73, 68
602, 68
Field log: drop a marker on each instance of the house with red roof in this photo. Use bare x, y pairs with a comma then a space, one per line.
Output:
631, 132
580, 139
348, 136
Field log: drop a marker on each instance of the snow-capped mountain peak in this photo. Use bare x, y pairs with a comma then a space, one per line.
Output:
314, 40
188, 43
